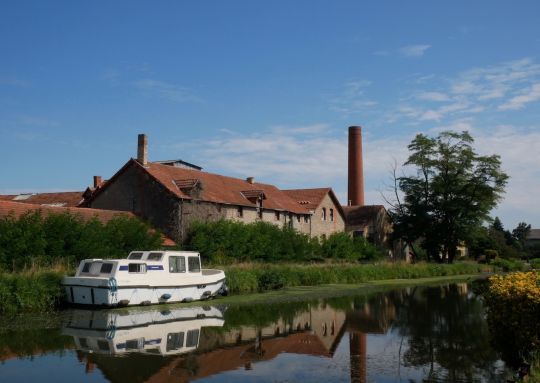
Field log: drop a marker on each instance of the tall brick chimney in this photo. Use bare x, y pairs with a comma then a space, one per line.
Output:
142, 149
356, 167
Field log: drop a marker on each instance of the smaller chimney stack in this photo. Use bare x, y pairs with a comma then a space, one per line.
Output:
142, 150
250, 180
97, 181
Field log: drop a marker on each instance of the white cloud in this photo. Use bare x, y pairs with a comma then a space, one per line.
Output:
414, 50
165, 90
527, 96
492, 89
293, 157
433, 96
352, 99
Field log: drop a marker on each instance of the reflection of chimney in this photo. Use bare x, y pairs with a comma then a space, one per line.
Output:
358, 357
142, 150
356, 167
97, 181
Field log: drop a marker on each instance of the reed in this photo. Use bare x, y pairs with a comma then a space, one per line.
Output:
36, 291
255, 277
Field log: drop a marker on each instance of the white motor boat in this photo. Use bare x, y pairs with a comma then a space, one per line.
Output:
144, 278
115, 332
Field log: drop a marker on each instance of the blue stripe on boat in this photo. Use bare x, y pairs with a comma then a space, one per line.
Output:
149, 267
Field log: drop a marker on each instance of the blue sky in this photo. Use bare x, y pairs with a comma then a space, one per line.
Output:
266, 89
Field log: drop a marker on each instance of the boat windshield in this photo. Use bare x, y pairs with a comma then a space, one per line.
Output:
135, 255
97, 268
154, 256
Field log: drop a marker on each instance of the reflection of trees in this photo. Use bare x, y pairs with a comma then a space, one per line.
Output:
447, 333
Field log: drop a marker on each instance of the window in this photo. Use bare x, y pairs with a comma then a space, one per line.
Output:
194, 264
298, 218
86, 267
83, 342
192, 338
103, 345
323, 215
358, 233
135, 255
137, 268
133, 344
154, 256
278, 216
332, 215
175, 341
306, 218
106, 268
177, 264
240, 212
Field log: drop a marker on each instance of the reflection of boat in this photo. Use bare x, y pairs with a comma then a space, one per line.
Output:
165, 332
145, 277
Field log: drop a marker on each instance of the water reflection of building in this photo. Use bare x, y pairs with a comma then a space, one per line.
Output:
316, 331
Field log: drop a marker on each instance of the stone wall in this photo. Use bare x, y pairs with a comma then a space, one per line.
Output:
321, 226
134, 190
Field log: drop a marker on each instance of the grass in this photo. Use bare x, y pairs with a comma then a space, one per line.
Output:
249, 278
30, 292
40, 291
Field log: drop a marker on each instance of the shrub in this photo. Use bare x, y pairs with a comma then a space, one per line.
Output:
30, 292
513, 305
535, 263
264, 242
508, 264
36, 240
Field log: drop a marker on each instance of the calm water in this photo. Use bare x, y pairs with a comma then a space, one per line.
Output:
406, 335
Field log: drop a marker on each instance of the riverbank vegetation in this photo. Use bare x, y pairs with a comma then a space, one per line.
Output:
513, 306
29, 292
226, 242
263, 277
34, 240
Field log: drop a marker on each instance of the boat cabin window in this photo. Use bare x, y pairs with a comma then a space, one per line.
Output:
192, 338
175, 341
83, 342
177, 264
135, 255
86, 267
154, 256
103, 345
106, 268
96, 268
133, 344
194, 264
137, 268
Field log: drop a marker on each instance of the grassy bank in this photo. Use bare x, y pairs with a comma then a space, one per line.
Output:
40, 291
30, 292
251, 278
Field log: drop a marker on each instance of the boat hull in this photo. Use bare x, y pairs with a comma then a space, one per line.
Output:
112, 296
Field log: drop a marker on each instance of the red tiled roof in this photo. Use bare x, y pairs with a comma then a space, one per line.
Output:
17, 209
312, 198
309, 198
67, 199
362, 215
222, 189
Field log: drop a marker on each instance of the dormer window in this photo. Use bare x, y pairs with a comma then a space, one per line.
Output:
189, 186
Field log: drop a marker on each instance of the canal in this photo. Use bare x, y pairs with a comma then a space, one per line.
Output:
414, 334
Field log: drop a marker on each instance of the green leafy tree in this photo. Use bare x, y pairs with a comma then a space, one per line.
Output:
451, 194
